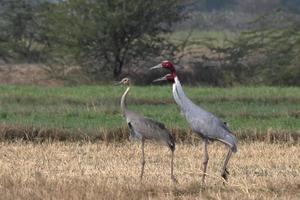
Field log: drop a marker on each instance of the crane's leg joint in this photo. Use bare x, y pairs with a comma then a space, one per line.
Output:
205, 161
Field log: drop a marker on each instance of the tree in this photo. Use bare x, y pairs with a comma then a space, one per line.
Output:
106, 35
267, 56
20, 28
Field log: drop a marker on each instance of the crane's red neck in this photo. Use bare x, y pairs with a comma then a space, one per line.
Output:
174, 74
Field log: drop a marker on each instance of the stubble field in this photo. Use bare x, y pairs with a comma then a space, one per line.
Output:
59, 170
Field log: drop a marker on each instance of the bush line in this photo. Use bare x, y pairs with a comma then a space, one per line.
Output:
36, 134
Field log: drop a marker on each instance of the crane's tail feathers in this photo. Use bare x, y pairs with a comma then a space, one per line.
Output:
171, 143
234, 148
231, 141
172, 146
231, 144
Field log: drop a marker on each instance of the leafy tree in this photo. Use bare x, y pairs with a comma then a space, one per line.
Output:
20, 28
268, 56
106, 35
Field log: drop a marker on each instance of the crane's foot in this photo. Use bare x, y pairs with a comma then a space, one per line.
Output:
225, 175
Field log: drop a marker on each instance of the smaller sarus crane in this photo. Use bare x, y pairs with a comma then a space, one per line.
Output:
142, 128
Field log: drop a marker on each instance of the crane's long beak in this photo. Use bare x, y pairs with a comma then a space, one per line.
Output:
160, 79
156, 67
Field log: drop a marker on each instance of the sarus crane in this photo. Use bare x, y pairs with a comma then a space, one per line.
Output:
142, 128
203, 123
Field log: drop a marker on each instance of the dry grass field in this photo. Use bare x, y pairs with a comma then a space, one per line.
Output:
83, 170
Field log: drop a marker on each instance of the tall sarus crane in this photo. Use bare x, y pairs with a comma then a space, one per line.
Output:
204, 123
142, 128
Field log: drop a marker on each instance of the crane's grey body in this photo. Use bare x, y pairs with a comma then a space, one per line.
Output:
142, 128
204, 123
146, 128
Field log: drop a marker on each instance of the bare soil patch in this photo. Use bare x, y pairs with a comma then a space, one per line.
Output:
26, 74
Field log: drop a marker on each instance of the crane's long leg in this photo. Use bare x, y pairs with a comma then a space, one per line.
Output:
206, 158
225, 173
172, 164
143, 160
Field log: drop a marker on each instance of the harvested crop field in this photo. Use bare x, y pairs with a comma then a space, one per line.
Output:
84, 170
72, 143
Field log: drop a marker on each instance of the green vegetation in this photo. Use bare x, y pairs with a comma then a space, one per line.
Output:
100, 36
203, 38
241, 42
91, 108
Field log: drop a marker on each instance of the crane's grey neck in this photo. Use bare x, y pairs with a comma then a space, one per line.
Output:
123, 100
179, 96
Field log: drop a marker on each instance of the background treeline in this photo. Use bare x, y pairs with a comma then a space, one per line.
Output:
219, 43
